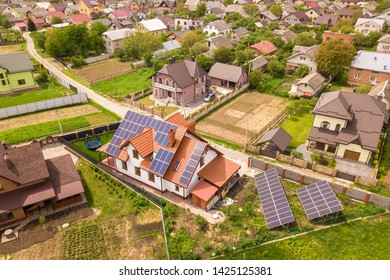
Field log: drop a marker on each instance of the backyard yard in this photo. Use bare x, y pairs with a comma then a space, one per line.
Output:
48, 90
251, 113
124, 85
11, 48
104, 139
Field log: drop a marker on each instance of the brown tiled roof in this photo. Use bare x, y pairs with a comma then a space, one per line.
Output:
345, 12
327, 20
226, 72
258, 62
219, 171
323, 135
278, 136
143, 142
204, 190
314, 80
265, 47
221, 41
333, 104
28, 164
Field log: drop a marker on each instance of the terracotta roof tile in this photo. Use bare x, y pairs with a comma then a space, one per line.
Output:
219, 170
177, 119
204, 190
265, 47
143, 142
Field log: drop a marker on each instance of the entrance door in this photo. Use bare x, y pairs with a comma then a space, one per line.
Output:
351, 155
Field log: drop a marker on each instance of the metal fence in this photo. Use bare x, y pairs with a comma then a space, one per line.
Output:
60, 80
43, 105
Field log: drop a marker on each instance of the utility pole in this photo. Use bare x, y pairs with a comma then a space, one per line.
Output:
59, 122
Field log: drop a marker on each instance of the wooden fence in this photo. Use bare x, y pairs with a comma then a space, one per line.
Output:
142, 107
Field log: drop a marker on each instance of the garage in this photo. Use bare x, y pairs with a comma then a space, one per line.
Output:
351, 155
204, 195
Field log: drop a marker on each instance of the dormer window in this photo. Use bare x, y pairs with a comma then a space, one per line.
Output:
177, 166
325, 125
135, 154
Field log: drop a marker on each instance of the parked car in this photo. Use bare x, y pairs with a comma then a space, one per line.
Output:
210, 96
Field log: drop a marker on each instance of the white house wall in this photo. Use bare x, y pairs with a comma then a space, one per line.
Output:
318, 119
309, 62
364, 154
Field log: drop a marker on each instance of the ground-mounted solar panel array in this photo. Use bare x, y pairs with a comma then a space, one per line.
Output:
276, 210
192, 163
319, 200
161, 161
132, 124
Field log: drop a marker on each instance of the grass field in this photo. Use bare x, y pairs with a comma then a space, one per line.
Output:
75, 77
124, 85
146, 101
298, 127
28, 132
11, 48
104, 139
48, 90
167, 110
360, 240
103, 70
252, 111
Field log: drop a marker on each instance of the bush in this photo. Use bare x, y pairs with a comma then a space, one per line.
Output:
296, 154
323, 161
201, 222
363, 89
77, 61
43, 76
375, 162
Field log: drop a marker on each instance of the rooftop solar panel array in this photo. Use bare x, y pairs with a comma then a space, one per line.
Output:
319, 200
192, 163
273, 200
161, 161
132, 124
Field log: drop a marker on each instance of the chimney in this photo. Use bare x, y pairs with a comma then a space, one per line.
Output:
171, 136
375, 58
4, 144
173, 59
8, 162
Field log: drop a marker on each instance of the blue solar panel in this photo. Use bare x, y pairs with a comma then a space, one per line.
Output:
192, 163
132, 124
161, 161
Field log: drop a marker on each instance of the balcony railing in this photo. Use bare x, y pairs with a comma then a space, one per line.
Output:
162, 86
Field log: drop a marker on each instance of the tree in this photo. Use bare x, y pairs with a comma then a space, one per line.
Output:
276, 9
223, 55
205, 61
200, 10
302, 71
209, 18
305, 39
56, 20
341, 23
276, 67
251, 9
233, 17
140, 43
40, 38
334, 57
190, 38
5, 22
97, 28
31, 25
243, 56
347, 30
367, 41
198, 48
254, 78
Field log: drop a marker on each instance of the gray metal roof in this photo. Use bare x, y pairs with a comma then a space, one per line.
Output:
278, 136
16, 62
374, 61
314, 80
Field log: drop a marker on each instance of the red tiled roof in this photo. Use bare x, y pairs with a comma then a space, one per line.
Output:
204, 190
143, 142
121, 14
265, 47
219, 170
59, 14
79, 18
177, 119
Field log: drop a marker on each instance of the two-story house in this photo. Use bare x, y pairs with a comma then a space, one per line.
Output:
16, 73
347, 125
329, 35
91, 8
29, 183
182, 81
369, 68
305, 56
296, 17
155, 26
168, 156
384, 44
114, 39
217, 27
188, 24
308, 86
367, 25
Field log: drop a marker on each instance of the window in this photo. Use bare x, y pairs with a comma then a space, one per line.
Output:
302, 58
167, 82
155, 92
357, 76
338, 127
328, 38
6, 216
151, 177
159, 80
124, 165
135, 154
1, 186
325, 125
373, 79
177, 188
201, 161
21, 82
4, 82
386, 48
176, 167
1, 76
137, 171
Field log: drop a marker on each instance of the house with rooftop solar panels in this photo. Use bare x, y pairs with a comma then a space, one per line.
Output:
168, 156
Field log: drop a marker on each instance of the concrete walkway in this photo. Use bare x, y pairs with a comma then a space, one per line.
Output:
119, 109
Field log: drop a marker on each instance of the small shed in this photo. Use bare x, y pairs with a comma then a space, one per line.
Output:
204, 195
277, 139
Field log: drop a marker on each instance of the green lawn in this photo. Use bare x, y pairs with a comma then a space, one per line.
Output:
146, 101
124, 85
167, 110
298, 127
32, 132
363, 240
75, 77
104, 138
48, 90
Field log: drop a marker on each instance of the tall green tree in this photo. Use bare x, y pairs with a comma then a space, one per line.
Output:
307, 39
56, 20
190, 38
200, 10
223, 55
31, 25
276, 9
334, 57
205, 61
251, 9
140, 43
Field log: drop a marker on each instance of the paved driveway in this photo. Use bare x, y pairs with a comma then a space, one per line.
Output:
355, 168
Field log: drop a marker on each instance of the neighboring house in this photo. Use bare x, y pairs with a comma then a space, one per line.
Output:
315, 13
219, 12
192, 4
227, 76
305, 56
29, 183
259, 63
268, 17
384, 44
16, 73
168, 21
308, 86
328, 20
286, 35
239, 33
188, 24
349, 3
50, 15
218, 41
347, 125
182, 81
329, 35
167, 5
345, 13
234, 8
78, 19
20, 26
21, 12
168, 156
42, 5
91, 8
114, 39
264, 47
177, 35
296, 17
105, 21
367, 25
71, 9
217, 27
59, 7
382, 92
168, 46
369, 68
119, 15
154, 26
